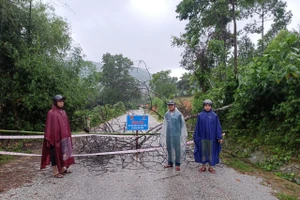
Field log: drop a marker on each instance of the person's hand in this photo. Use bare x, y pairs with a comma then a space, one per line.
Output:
220, 141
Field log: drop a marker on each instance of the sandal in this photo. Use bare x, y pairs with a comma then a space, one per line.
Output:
202, 169
58, 175
211, 170
168, 166
65, 171
177, 168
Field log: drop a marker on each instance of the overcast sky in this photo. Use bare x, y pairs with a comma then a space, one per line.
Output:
139, 29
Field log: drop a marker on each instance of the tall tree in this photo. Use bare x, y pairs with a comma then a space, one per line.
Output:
202, 26
268, 10
33, 70
246, 50
233, 4
118, 85
208, 20
163, 85
183, 85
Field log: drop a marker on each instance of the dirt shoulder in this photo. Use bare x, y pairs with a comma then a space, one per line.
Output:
284, 188
20, 170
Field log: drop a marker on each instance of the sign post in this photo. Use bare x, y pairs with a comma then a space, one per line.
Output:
136, 123
136, 139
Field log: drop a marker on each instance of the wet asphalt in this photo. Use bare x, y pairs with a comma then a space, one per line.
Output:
142, 176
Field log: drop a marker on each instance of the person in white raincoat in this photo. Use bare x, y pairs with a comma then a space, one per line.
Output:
173, 136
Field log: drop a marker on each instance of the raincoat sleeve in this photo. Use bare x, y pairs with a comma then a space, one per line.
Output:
48, 134
183, 138
163, 134
219, 129
48, 140
183, 127
197, 130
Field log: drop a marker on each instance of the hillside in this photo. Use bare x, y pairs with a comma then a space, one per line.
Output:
140, 74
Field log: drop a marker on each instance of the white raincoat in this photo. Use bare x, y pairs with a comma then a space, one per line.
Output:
173, 136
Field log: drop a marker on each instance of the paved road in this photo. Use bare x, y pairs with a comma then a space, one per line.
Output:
125, 177
118, 124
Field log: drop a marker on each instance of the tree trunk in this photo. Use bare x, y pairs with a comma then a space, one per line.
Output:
235, 38
29, 23
262, 28
2, 7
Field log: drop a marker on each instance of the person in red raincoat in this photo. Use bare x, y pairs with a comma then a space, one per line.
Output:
57, 146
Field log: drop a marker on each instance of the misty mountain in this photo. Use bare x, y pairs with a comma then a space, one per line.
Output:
140, 74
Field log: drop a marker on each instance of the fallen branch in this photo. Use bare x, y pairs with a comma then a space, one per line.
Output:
196, 115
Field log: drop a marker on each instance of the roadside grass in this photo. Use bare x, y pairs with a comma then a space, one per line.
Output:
6, 145
284, 190
285, 197
238, 165
24, 146
5, 159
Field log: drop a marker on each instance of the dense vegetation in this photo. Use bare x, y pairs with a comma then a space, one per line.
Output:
39, 60
260, 81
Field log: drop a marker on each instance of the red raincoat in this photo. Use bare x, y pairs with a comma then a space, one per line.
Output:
57, 134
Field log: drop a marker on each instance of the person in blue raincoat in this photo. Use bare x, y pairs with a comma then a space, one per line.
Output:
173, 136
207, 138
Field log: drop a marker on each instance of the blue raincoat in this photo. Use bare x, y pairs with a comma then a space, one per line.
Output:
207, 133
173, 136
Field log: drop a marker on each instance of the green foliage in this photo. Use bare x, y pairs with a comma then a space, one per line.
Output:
222, 85
265, 111
14, 146
159, 106
267, 10
265, 94
163, 85
184, 85
5, 158
286, 176
98, 115
268, 93
38, 61
117, 84
246, 50
217, 51
239, 165
207, 41
203, 15
275, 161
286, 197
